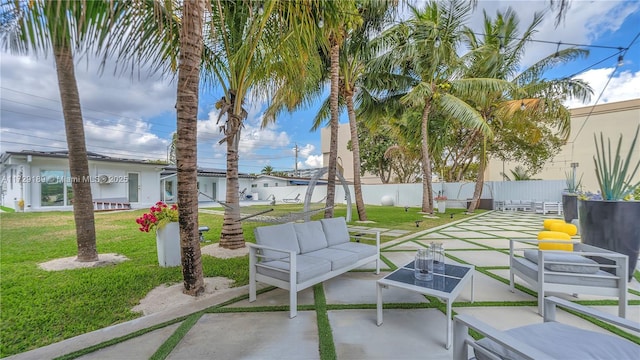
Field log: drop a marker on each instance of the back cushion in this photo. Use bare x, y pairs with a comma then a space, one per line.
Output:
310, 236
335, 229
281, 236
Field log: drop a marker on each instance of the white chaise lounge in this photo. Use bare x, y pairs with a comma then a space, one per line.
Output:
543, 341
295, 256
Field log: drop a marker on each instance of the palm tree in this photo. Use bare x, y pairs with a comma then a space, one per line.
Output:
251, 50
535, 103
420, 57
353, 56
186, 144
67, 28
267, 169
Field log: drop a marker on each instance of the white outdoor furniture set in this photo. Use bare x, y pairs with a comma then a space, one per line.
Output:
572, 272
543, 341
295, 256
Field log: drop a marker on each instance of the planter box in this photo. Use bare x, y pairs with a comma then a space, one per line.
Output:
612, 225
570, 207
168, 245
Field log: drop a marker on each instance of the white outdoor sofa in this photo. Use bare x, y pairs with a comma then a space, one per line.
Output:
543, 341
581, 271
295, 256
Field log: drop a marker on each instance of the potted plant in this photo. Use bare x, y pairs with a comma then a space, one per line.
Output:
570, 196
442, 202
164, 219
609, 219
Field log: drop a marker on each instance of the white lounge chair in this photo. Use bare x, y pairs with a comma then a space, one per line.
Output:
547, 340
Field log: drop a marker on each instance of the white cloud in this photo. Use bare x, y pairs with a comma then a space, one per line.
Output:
623, 86
314, 161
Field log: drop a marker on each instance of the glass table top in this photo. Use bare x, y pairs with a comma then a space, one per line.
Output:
445, 282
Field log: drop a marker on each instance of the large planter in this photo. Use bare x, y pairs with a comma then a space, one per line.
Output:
612, 225
570, 207
442, 206
168, 245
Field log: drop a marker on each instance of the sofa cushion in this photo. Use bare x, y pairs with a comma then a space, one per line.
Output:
562, 341
306, 268
335, 230
282, 236
338, 258
530, 270
310, 236
362, 250
572, 262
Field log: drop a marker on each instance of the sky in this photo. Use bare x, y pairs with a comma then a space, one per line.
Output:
135, 117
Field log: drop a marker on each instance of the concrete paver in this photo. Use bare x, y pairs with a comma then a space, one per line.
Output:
405, 333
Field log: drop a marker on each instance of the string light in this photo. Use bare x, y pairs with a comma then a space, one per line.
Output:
557, 48
261, 10
437, 42
321, 22
522, 106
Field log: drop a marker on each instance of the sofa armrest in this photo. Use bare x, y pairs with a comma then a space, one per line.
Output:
551, 302
255, 249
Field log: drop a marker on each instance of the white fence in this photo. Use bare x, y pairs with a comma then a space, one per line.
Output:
411, 194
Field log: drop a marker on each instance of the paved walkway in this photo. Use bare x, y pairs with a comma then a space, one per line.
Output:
229, 327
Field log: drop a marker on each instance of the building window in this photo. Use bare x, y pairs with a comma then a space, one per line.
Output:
266, 185
276, 184
55, 189
254, 186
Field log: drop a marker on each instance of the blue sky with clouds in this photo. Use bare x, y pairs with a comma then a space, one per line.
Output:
134, 118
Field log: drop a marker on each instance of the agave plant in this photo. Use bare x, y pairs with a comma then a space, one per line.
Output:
573, 186
614, 177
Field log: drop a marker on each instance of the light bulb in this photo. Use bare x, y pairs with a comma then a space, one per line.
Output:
522, 106
437, 42
620, 60
321, 22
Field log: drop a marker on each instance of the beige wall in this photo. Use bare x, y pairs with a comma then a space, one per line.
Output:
612, 119
345, 156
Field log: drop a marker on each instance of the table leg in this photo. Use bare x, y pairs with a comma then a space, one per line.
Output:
379, 303
449, 329
472, 287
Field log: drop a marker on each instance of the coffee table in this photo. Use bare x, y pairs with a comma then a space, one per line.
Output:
446, 286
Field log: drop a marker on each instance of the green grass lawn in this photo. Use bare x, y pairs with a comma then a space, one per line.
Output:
41, 307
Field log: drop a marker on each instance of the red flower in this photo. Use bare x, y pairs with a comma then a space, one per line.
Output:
159, 215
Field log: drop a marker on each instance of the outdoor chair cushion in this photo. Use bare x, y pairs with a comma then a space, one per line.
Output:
310, 236
282, 236
530, 269
572, 263
307, 267
335, 230
338, 258
562, 341
362, 250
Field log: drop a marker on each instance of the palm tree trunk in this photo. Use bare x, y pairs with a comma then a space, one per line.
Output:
231, 236
355, 148
78, 162
187, 146
333, 144
477, 192
427, 194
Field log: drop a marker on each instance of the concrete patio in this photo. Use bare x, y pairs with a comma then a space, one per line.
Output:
227, 326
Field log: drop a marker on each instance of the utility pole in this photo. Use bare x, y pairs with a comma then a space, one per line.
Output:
295, 171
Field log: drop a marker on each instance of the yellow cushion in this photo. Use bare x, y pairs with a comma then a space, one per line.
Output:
554, 235
548, 222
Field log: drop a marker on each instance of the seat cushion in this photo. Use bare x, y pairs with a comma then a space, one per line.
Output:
571, 262
335, 230
282, 236
530, 270
310, 236
362, 250
562, 341
306, 268
338, 258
